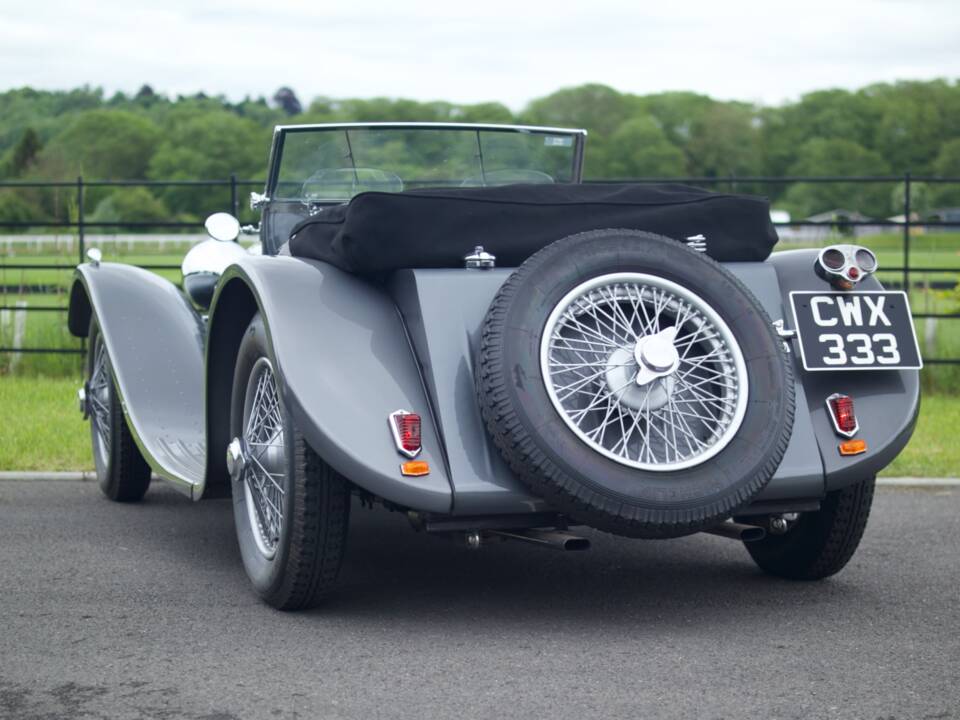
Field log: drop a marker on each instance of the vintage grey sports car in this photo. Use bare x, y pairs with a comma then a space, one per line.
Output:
445, 320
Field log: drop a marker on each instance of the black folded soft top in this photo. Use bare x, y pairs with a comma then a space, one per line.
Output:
377, 232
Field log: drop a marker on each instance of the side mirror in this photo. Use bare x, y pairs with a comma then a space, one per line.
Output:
223, 227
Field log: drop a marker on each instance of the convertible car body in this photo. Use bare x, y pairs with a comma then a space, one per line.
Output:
445, 320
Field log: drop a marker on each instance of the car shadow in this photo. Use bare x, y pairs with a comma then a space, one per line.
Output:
432, 583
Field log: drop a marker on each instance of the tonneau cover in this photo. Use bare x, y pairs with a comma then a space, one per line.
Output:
377, 232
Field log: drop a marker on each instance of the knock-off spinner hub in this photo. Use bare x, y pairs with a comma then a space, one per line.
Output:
642, 378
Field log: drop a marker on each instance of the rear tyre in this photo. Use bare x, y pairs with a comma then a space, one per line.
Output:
122, 473
821, 543
291, 509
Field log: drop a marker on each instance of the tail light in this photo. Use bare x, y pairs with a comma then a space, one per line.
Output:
405, 427
840, 410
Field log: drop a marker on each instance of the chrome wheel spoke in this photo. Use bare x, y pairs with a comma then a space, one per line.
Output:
265, 474
602, 360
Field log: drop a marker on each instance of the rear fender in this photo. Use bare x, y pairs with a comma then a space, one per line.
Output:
887, 403
155, 341
344, 363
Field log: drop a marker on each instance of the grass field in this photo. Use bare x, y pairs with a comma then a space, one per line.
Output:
47, 433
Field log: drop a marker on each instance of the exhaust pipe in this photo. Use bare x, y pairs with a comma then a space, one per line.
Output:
738, 531
556, 539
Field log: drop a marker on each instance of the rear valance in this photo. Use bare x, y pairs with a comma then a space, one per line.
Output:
378, 232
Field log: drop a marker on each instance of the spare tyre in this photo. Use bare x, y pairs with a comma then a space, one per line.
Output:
634, 384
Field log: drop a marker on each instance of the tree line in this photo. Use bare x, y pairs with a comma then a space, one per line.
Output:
883, 129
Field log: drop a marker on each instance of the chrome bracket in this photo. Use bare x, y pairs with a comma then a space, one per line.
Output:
784, 333
258, 200
697, 242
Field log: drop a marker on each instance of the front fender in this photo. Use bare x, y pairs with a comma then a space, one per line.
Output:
344, 362
155, 341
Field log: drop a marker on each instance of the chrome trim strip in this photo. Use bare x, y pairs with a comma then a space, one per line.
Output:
437, 125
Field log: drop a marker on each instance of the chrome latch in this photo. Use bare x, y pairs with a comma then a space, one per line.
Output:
480, 259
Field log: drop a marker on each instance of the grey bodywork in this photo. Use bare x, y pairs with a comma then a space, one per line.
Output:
349, 352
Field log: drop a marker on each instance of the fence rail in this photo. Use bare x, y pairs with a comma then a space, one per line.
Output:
83, 223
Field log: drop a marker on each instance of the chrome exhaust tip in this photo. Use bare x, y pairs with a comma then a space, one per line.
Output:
738, 531
555, 539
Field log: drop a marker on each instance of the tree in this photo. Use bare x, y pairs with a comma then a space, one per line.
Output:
724, 141
25, 152
947, 165
103, 144
287, 100
639, 148
133, 204
208, 146
822, 157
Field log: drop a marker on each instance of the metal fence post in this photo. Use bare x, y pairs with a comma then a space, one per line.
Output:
81, 241
234, 199
906, 233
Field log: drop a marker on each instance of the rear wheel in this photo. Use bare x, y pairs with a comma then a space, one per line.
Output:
122, 472
291, 509
821, 543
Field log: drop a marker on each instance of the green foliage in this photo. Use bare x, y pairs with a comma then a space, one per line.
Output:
640, 148
25, 152
131, 204
207, 146
101, 144
889, 128
835, 157
14, 208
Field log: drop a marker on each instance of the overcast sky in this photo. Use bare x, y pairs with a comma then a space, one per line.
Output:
509, 51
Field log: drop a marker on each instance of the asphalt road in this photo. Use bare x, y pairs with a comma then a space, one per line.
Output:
113, 611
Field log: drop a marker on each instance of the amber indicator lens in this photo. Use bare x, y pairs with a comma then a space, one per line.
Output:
415, 468
853, 447
866, 260
833, 259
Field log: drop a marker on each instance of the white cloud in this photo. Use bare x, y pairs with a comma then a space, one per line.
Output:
511, 51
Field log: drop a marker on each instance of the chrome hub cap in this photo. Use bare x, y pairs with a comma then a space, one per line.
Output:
258, 459
644, 371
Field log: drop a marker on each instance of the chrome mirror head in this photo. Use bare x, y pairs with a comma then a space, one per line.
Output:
223, 227
94, 256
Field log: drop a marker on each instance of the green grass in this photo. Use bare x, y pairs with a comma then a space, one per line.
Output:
44, 431
933, 451
42, 428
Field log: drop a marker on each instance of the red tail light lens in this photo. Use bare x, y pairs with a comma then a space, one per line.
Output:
842, 413
406, 432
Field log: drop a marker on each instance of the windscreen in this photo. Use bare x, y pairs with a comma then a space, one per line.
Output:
334, 164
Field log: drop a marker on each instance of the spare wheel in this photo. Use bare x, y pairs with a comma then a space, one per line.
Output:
634, 383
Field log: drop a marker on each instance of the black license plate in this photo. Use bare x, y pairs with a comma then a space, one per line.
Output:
855, 331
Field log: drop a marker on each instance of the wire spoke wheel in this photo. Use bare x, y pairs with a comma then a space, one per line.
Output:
644, 371
265, 474
98, 399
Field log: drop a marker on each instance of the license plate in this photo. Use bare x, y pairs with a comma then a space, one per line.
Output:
855, 331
